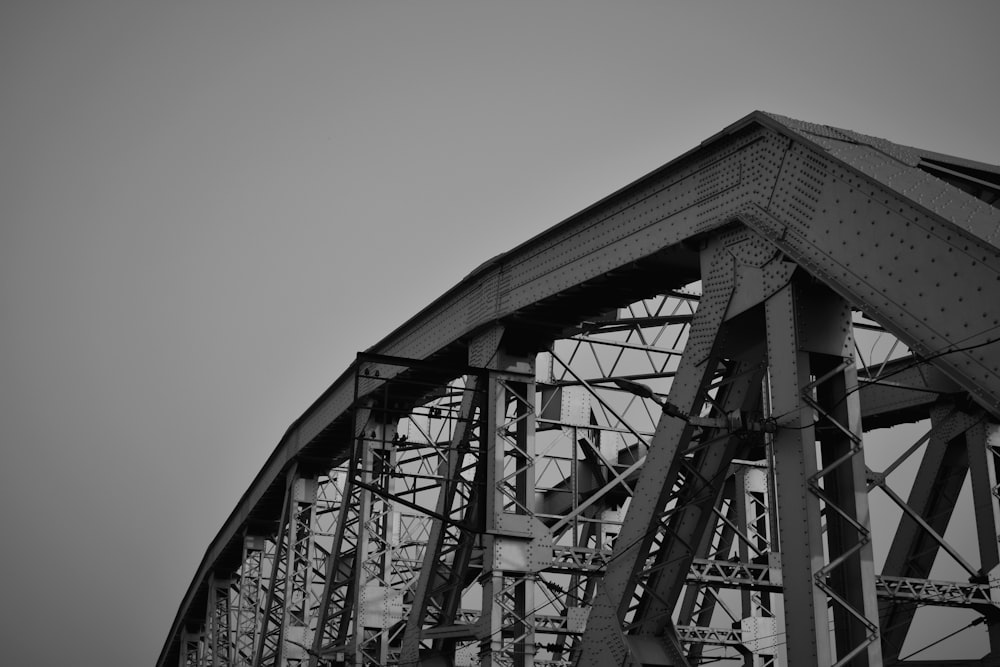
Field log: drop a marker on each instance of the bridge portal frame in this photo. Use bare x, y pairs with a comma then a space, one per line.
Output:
866, 218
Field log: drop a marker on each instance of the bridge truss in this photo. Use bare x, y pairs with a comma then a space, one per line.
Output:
743, 411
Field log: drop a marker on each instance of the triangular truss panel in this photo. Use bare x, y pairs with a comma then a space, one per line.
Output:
743, 411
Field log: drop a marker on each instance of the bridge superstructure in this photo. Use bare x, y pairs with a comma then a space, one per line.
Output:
655, 434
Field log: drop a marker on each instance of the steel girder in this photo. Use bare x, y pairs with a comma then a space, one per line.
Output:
565, 460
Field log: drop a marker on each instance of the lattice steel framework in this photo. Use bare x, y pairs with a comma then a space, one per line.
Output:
743, 411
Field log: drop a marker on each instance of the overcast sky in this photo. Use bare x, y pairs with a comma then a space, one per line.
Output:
207, 208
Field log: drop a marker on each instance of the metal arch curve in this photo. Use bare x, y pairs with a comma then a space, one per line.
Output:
907, 237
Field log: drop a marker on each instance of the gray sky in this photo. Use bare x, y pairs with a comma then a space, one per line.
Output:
207, 208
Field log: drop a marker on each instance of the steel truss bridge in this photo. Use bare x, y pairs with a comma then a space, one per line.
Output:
742, 411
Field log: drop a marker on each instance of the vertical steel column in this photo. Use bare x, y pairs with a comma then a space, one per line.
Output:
191, 648
282, 637
758, 625
217, 648
845, 493
223, 624
269, 642
335, 617
795, 461
446, 558
298, 573
378, 605
205, 649
329, 496
248, 601
814, 400
511, 556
